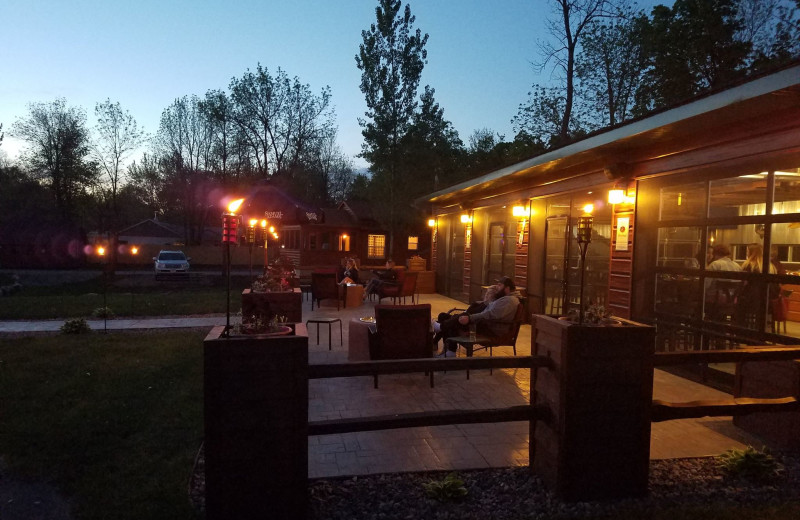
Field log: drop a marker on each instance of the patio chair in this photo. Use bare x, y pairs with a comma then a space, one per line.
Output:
324, 287
406, 285
507, 339
402, 332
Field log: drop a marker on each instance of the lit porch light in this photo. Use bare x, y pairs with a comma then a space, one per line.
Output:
616, 196
465, 218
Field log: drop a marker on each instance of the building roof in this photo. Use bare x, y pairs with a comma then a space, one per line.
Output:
693, 125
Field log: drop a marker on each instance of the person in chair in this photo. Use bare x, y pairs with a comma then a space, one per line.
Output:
382, 276
492, 321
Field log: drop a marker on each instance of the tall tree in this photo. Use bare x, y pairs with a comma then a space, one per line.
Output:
117, 137
278, 117
611, 66
567, 27
432, 149
692, 47
391, 58
184, 140
57, 147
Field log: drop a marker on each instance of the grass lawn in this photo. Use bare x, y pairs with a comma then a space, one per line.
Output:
123, 297
114, 421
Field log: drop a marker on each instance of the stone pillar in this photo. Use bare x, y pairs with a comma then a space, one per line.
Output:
597, 443
256, 426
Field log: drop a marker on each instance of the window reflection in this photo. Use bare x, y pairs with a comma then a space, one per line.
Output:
787, 191
680, 247
683, 202
738, 196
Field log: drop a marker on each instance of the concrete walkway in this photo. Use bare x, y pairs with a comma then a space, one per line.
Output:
443, 447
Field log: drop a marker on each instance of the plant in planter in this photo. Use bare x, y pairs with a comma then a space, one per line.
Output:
280, 276
595, 314
261, 325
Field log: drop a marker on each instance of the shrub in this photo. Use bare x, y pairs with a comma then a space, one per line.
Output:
103, 312
750, 464
450, 487
75, 326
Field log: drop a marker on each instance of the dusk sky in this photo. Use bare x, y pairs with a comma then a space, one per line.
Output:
145, 54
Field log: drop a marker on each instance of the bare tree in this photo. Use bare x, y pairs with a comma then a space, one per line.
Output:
117, 136
572, 17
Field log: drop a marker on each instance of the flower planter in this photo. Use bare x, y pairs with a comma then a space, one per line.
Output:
596, 445
269, 304
256, 425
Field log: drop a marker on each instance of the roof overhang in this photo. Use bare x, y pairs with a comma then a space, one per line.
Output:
754, 107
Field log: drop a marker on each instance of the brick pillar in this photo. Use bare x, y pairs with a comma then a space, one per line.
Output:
256, 426
596, 445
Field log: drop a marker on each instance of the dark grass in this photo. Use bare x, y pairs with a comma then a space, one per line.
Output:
124, 296
114, 421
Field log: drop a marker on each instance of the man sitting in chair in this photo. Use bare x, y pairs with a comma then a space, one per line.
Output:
493, 320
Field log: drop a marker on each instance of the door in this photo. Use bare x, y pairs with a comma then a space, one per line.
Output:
455, 259
495, 252
556, 254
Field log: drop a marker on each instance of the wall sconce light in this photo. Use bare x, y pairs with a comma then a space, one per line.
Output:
465, 218
519, 211
431, 222
616, 196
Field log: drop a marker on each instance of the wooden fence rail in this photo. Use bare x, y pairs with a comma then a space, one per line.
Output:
404, 366
767, 353
436, 418
666, 411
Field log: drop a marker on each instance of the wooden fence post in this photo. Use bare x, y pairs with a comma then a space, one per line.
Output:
256, 426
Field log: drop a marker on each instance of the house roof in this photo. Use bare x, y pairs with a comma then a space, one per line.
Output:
274, 204
153, 228
773, 99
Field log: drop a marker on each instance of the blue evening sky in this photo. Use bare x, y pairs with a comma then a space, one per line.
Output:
146, 53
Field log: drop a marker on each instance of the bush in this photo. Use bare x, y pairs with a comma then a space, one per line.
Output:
103, 312
449, 488
750, 464
75, 326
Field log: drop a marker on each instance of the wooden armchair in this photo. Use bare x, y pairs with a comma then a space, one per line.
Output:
402, 332
406, 285
324, 287
507, 339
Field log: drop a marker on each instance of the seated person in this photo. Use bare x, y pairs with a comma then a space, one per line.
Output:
350, 273
492, 321
383, 276
451, 326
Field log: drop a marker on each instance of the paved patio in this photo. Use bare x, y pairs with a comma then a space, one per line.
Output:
441, 447
465, 446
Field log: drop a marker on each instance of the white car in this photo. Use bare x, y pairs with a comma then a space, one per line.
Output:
170, 263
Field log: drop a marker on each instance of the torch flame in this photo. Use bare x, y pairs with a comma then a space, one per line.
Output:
234, 206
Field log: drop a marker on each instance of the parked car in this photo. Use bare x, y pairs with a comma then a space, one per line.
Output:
171, 263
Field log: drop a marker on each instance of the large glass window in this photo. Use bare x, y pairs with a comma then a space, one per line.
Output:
728, 256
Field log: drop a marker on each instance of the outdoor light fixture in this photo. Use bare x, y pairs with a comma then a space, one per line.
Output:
465, 218
584, 237
519, 211
616, 196
265, 238
431, 222
230, 229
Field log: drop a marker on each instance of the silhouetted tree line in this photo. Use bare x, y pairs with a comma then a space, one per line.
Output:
611, 62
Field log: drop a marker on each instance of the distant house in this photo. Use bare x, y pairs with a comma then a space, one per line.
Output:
315, 237
154, 232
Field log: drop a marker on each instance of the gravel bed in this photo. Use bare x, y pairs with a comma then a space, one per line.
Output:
512, 493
